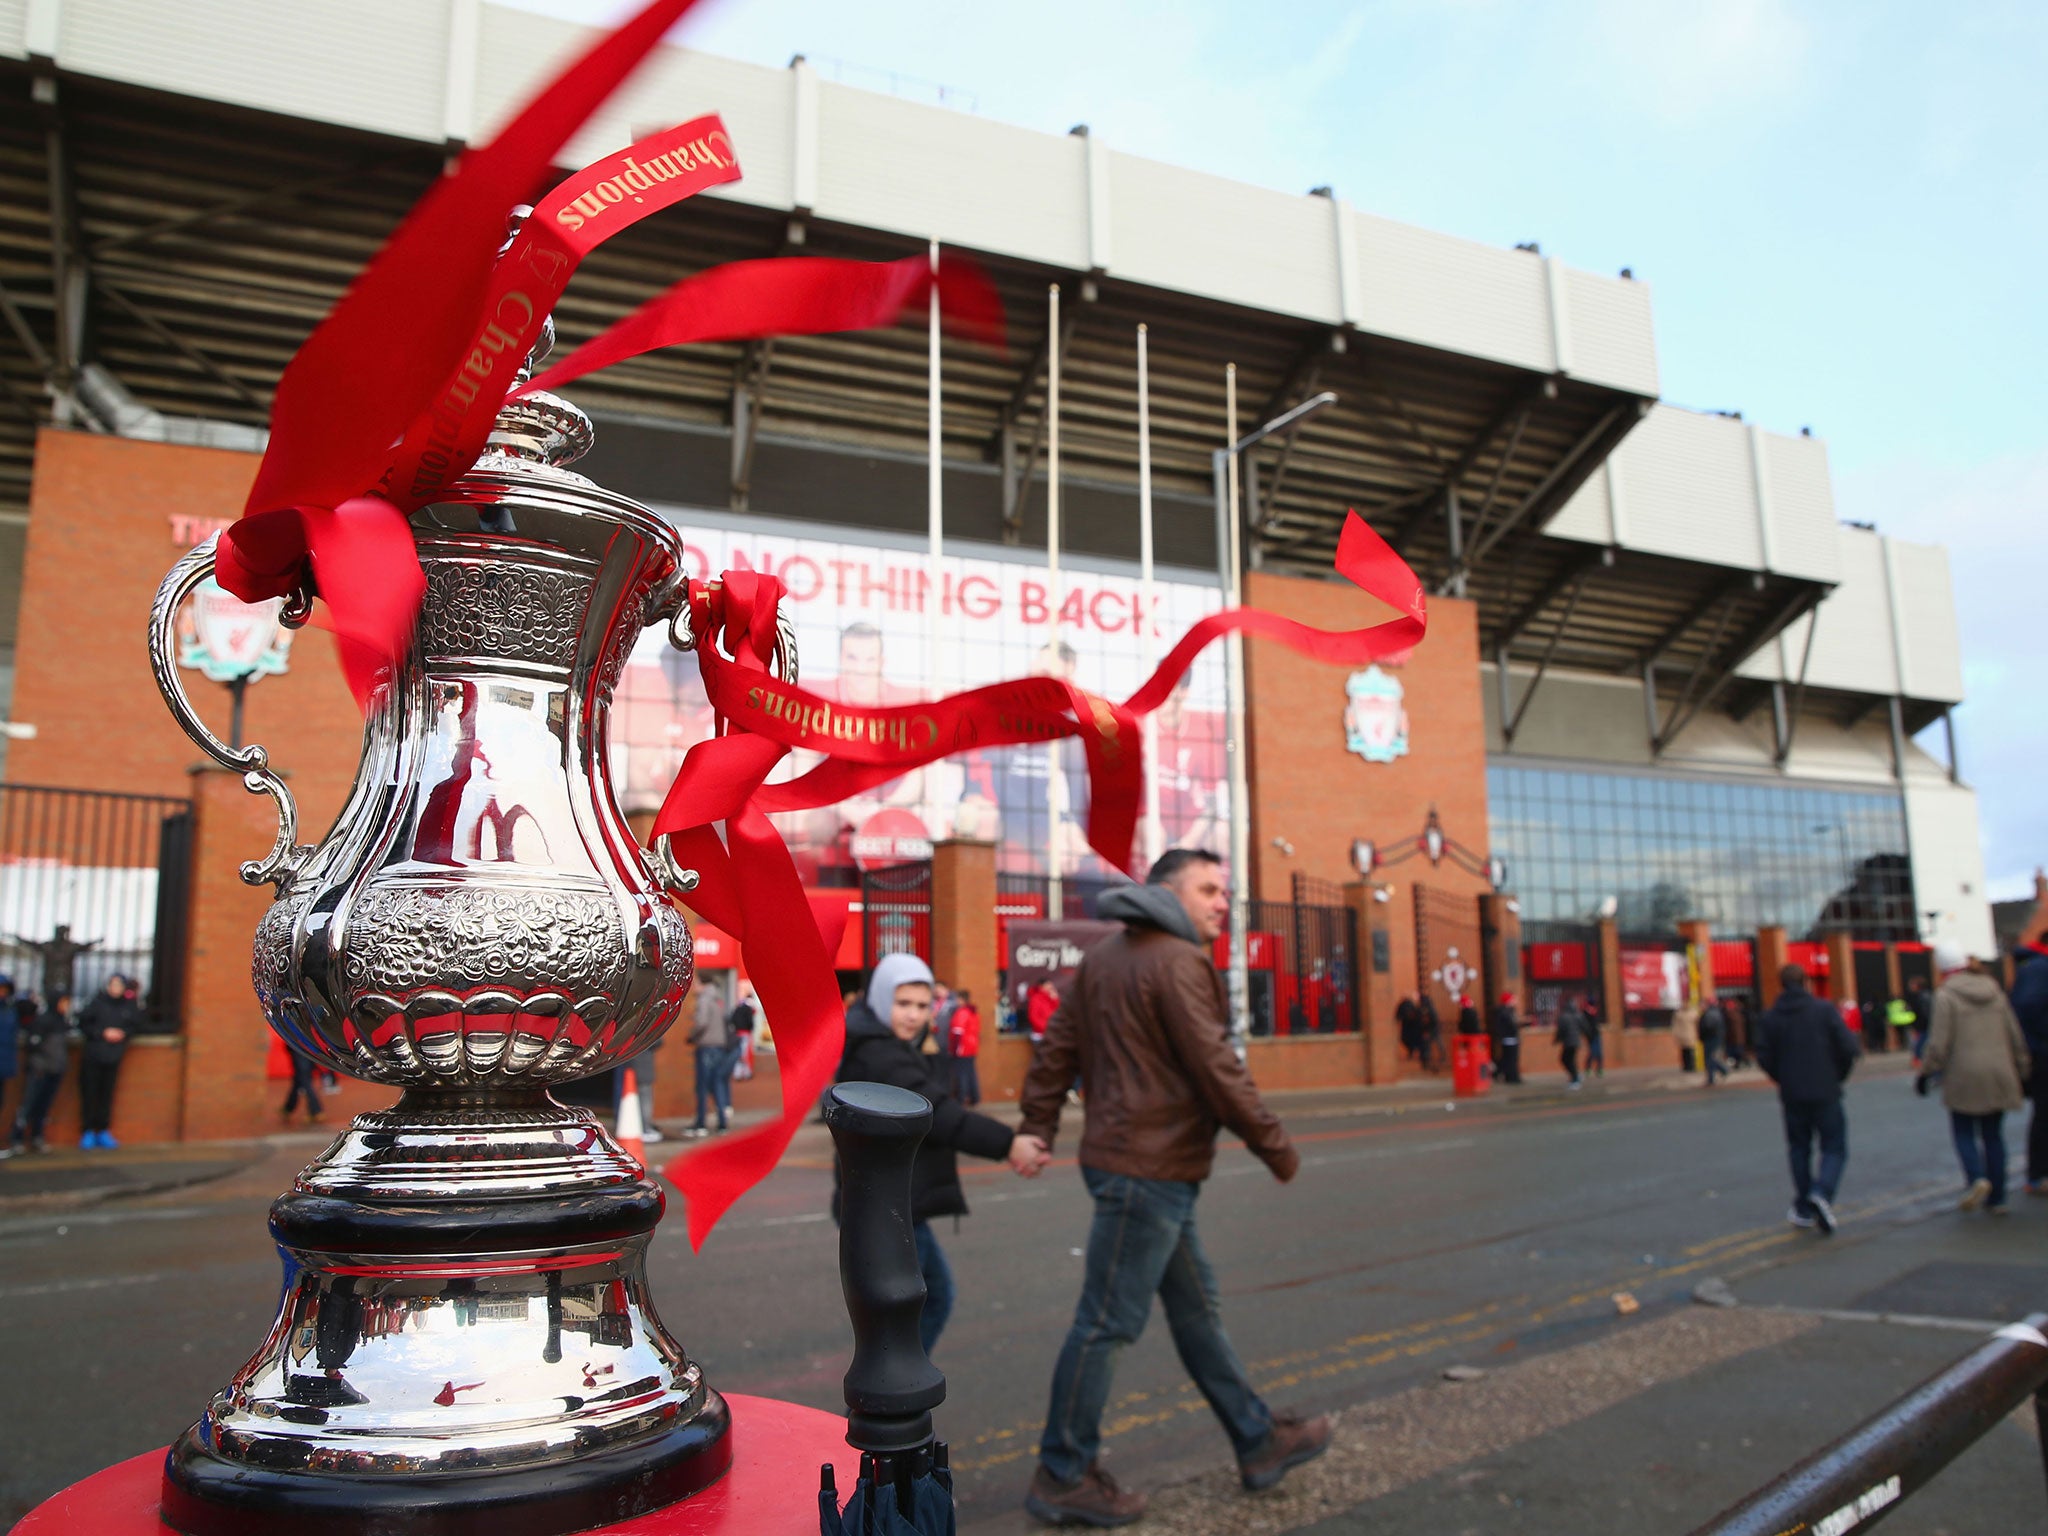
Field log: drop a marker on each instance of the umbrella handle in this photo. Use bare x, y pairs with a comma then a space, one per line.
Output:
891, 1386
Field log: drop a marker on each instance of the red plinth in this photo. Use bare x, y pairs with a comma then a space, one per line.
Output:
772, 1489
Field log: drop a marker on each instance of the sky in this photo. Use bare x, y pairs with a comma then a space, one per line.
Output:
1841, 207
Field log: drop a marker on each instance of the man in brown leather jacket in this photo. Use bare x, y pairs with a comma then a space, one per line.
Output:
1145, 1027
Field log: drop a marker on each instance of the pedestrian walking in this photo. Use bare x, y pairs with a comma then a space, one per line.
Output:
1685, 1034
1146, 1026
1805, 1049
1040, 1004
302, 1087
1976, 1046
44, 1046
10, 1038
1408, 1021
712, 1037
2030, 1004
890, 1038
963, 1032
1898, 1022
1596, 1049
741, 1021
1433, 1056
1713, 1040
1571, 1031
1921, 1001
1507, 1040
107, 1024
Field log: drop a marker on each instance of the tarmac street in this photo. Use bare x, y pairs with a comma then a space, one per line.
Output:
1548, 1243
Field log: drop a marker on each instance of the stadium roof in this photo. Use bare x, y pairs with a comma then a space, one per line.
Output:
195, 190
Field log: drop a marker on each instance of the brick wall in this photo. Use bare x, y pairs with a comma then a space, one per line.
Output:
1309, 789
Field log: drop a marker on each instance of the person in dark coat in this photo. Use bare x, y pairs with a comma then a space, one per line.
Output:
1805, 1048
1596, 1049
890, 1039
107, 1024
1408, 1019
44, 1046
2030, 1003
1507, 1040
10, 1033
1714, 1040
1571, 1029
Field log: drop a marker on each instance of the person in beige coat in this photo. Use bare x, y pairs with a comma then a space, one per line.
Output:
1976, 1046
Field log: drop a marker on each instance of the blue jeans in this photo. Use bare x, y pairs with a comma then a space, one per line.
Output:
966, 1080
1143, 1243
1980, 1143
938, 1285
714, 1080
1804, 1120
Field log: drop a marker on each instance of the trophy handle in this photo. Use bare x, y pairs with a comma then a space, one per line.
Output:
672, 874
287, 854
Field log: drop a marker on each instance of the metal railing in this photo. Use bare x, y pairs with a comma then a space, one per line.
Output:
94, 882
1867, 1473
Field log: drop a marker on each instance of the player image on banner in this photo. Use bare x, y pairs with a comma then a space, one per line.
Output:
859, 613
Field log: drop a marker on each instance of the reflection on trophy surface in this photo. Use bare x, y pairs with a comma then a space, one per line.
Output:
465, 1337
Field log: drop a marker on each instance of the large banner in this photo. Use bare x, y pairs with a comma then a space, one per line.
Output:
860, 614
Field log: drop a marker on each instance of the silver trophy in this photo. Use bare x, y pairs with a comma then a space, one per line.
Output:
465, 1342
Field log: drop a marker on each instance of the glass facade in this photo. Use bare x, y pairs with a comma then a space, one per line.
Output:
1738, 853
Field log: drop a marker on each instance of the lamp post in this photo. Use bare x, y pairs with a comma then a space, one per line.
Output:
1230, 563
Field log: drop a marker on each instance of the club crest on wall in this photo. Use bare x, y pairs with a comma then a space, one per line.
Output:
1375, 722
224, 638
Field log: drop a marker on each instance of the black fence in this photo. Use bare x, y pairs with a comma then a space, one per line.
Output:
95, 883
896, 911
1030, 896
1304, 963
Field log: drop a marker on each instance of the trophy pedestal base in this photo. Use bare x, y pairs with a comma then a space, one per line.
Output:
771, 1488
465, 1345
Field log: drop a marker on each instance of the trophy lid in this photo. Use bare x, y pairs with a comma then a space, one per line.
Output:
538, 428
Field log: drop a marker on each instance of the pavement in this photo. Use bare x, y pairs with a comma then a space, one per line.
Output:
68, 1177
1548, 1243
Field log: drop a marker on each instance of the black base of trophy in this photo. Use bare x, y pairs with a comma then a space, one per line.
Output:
205, 1495
465, 1345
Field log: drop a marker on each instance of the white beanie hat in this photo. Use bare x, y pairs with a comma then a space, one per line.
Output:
891, 972
1950, 956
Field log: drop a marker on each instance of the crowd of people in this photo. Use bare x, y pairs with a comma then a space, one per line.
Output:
37, 1038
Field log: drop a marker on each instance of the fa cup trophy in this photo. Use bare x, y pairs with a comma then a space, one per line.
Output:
465, 1342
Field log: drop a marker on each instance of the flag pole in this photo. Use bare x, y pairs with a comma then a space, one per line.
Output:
934, 577
1240, 781
1055, 786
1148, 642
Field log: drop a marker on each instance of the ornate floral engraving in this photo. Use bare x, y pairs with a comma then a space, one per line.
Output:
529, 939
503, 612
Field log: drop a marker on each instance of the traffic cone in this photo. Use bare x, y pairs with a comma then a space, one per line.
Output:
632, 1131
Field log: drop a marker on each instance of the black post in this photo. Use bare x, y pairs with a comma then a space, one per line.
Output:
1858, 1479
892, 1386
237, 690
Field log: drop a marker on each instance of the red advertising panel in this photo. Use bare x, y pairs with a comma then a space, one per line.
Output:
1555, 962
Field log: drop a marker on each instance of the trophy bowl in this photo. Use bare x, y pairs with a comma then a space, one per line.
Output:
465, 1342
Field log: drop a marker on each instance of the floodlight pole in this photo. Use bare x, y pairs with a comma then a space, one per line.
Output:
1230, 566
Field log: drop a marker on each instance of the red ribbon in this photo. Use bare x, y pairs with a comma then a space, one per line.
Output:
749, 882
789, 296
376, 366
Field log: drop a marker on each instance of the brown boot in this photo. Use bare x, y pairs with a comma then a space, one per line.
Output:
1095, 1500
1293, 1441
